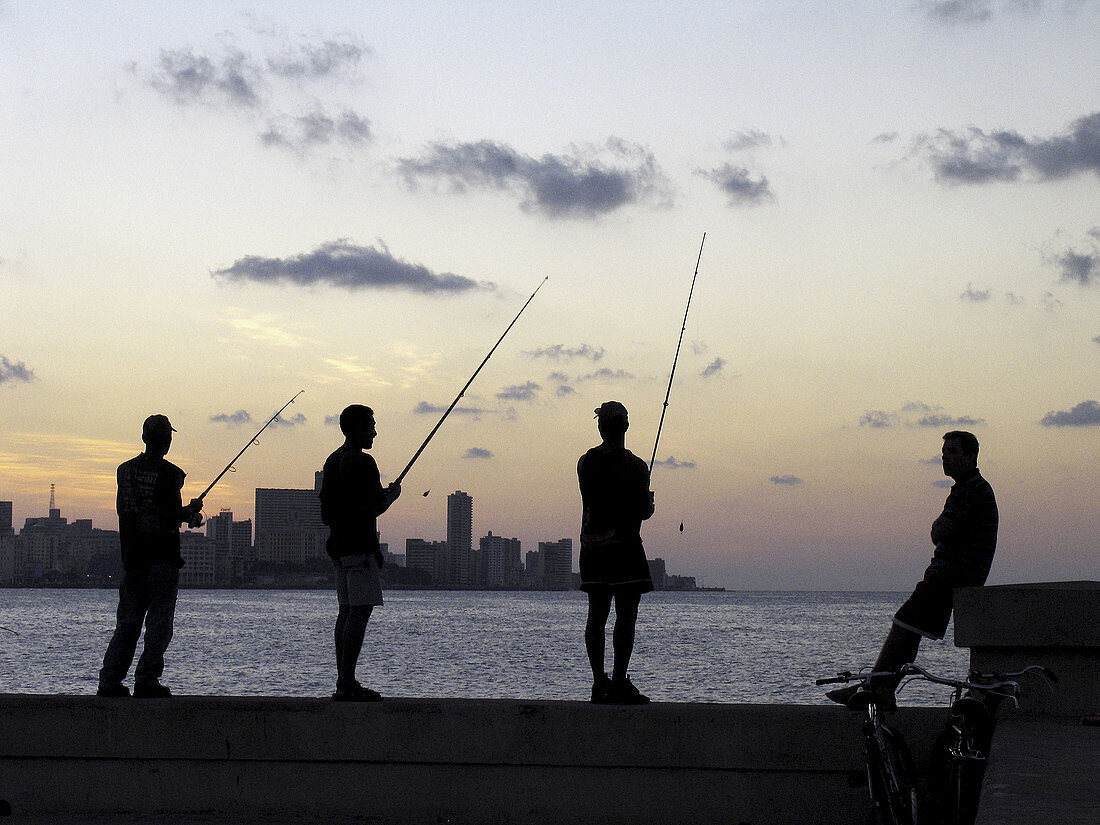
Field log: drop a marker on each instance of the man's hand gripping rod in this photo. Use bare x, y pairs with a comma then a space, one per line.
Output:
468, 383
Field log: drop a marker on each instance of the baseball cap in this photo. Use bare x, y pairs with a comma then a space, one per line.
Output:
156, 425
609, 410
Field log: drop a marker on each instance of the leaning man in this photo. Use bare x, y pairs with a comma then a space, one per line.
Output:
150, 511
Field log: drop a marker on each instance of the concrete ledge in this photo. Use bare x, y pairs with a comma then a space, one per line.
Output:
434, 760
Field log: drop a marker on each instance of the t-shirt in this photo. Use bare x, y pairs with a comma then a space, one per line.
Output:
614, 495
352, 498
150, 509
965, 533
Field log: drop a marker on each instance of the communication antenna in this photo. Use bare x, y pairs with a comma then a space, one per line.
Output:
52, 500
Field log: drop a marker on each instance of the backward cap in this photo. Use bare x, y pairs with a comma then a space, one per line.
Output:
609, 410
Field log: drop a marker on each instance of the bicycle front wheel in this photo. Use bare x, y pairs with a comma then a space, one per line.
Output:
896, 799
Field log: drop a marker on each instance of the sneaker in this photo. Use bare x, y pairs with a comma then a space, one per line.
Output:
843, 695
601, 690
623, 692
355, 693
151, 690
855, 697
117, 691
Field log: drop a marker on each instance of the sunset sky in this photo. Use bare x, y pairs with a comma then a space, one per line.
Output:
207, 206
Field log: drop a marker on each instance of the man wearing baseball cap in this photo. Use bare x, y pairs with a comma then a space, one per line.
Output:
150, 511
616, 500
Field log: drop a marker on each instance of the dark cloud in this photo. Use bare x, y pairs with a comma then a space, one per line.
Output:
586, 184
972, 11
975, 156
1096, 340
332, 420
1085, 414
477, 452
330, 58
876, 419
943, 484
317, 129
714, 368
293, 421
343, 264
673, 463
237, 418
519, 392
1080, 267
885, 137
558, 352
564, 390
424, 408
738, 184
975, 296
786, 480
606, 374
936, 420
236, 80
1014, 300
14, 371
750, 139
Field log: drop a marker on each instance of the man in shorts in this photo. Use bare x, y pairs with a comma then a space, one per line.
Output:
616, 499
352, 498
150, 511
965, 538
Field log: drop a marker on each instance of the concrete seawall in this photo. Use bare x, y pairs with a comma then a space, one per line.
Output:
234, 759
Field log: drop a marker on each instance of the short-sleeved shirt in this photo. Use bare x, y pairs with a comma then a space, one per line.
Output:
150, 509
965, 533
352, 498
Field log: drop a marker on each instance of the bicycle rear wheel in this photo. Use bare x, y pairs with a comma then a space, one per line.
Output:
894, 790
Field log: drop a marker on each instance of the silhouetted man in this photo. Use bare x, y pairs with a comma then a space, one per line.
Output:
352, 498
616, 499
150, 511
965, 538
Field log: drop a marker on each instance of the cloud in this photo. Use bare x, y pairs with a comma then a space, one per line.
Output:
234, 80
424, 408
519, 392
558, 352
943, 484
972, 11
293, 421
235, 419
606, 374
750, 139
14, 371
738, 184
936, 420
332, 420
885, 137
477, 452
786, 480
975, 296
974, 156
673, 463
714, 368
1085, 414
589, 183
348, 266
1014, 300
1051, 303
1096, 340
564, 390
876, 419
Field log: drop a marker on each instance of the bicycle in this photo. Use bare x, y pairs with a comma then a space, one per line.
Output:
890, 776
962, 749
960, 753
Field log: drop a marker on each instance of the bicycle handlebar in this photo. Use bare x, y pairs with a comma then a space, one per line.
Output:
996, 684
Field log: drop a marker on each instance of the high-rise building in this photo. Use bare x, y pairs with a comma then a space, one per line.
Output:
500, 564
6, 528
460, 537
288, 526
430, 556
557, 564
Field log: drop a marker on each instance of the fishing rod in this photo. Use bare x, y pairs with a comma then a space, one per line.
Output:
251, 441
672, 374
468, 383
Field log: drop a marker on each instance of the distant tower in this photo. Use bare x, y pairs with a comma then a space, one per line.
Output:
52, 500
460, 535
54, 512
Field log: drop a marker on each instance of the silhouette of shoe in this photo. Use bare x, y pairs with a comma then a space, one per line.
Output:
355, 693
623, 692
151, 690
118, 691
601, 690
855, 697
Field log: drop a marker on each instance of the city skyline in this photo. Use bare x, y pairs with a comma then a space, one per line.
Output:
212, 206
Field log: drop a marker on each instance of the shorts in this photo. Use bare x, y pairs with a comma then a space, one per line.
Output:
357, 581
613, 566
928, 610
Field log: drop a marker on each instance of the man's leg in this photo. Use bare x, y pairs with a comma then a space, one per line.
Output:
159, 621
338, 637
599, 608
350, 643
133, 600
622, 638
900, 648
